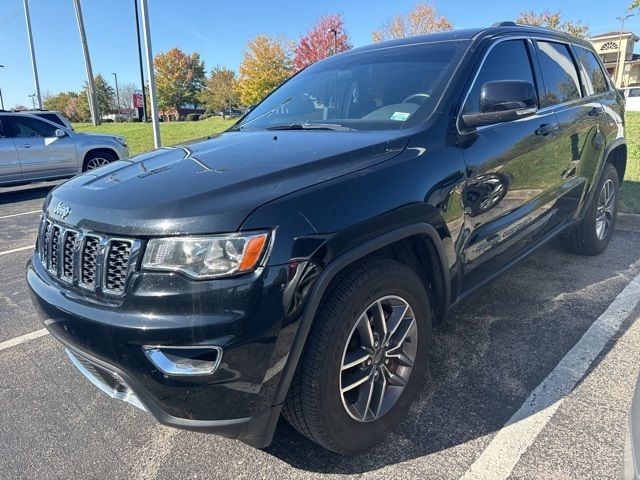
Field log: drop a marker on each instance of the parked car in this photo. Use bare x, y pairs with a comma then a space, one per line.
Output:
631, 456
232, 112
296, 263
35, 149
51, 115
632, 99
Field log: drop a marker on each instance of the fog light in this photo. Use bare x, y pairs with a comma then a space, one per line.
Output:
190, 360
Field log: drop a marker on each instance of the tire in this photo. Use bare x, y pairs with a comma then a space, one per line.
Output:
315, 405
585, 238
97, 159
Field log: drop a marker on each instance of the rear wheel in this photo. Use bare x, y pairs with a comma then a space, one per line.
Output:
365, 358
97, 159
591, 236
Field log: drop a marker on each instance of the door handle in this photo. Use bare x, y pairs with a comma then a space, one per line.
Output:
26, 145
595, 111
546, 128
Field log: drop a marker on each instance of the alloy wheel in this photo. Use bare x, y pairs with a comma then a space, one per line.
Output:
378, 358
605, 209
96, 162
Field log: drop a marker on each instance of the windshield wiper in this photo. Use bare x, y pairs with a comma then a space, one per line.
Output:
310, 126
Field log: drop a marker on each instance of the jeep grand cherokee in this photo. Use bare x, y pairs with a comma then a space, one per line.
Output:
296, 263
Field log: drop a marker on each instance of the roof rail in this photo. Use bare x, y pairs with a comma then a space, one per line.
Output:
505, 24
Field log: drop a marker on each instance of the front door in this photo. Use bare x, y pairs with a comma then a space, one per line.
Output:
513, 171
41, 153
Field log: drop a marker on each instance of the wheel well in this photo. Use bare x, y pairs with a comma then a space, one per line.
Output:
420, 254
98, 150
618, 158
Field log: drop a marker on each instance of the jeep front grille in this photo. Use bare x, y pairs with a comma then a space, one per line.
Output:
92, 261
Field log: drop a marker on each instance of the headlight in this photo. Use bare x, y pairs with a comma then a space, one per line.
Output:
121, 140
206, 257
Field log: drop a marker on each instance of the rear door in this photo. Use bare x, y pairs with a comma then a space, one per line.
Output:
9, 163
512, 167
41, 153
580, 138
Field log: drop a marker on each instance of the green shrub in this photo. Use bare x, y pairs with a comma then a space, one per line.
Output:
193, 117
133, 120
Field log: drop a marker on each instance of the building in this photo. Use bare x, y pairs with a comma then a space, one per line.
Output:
616, 48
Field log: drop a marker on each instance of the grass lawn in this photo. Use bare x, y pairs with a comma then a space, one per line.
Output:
630, 197
140, 139
140, 135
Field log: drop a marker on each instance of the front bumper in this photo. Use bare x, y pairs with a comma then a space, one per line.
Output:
243, 316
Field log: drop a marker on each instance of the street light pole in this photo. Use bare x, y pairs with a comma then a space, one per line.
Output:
33, 53
334, 31
150, 72
144, 93
95, 115
1, 100
616, 72
117, 93
33, 102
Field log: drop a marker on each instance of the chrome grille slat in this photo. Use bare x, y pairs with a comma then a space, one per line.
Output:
89, 262
94, 262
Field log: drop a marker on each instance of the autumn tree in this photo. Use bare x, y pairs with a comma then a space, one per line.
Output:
67, 103
554, 21
179, 78
220, 90
423, 19
318, 42
266, 63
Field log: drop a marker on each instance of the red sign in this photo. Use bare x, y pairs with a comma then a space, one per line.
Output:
137, 100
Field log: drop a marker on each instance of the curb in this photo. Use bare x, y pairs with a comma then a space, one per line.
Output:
628, 221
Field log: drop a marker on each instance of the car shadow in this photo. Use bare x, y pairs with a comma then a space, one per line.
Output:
495, 347
23, 193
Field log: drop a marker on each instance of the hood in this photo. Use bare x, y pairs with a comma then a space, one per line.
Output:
212, 186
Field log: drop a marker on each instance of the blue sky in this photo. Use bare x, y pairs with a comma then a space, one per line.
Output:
218, 30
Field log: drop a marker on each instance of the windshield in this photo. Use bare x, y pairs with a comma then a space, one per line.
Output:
381, 89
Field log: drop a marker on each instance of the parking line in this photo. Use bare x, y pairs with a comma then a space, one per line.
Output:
23, 338
501, 456
7, 252
18, 214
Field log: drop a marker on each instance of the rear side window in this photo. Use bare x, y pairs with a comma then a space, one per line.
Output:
592, 67
634, 92
52, 117
559, 73
507, 60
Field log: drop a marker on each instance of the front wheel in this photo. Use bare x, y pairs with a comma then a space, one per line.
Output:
96, 160
592, 235
365, 359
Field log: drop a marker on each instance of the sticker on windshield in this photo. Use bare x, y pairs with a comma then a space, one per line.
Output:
400, 116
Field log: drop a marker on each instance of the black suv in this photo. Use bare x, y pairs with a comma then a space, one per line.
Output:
296, 263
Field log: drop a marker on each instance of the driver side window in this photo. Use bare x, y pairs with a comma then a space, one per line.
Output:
30, 127
508, 60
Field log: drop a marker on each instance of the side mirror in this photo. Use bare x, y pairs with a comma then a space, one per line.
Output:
503, 101
60, 133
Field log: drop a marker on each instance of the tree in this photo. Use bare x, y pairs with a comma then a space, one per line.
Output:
265, 64
126, 94
423, 19
220, 91
318, 41
105, 95
554, 21
19, 107
68, 103
179, 78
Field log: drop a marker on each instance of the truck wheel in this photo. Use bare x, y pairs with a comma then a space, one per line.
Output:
591, 236
365, 358
96, 160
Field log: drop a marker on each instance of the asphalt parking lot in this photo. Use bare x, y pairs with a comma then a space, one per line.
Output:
513, 354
